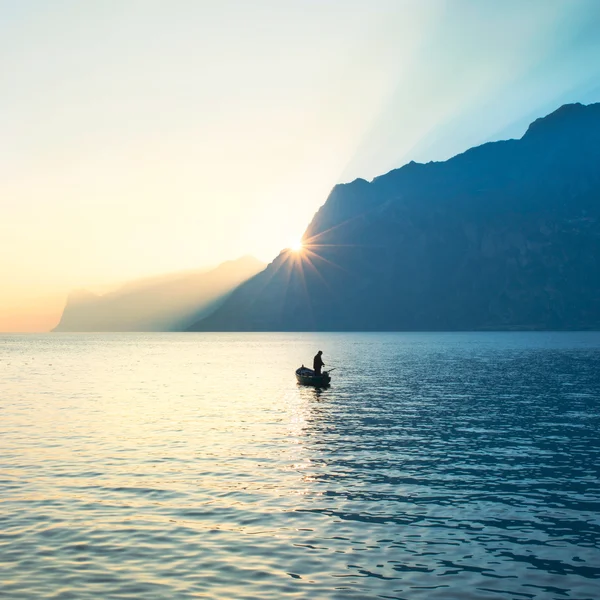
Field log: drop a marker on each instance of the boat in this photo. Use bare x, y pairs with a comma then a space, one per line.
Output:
306, 376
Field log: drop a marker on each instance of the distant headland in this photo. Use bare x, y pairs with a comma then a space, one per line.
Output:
164, 303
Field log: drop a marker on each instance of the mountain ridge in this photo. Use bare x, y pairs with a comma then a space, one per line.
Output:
502, 236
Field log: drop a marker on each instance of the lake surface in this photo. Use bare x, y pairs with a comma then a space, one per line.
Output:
172, 466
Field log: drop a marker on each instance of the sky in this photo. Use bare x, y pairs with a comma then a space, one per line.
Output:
142, 137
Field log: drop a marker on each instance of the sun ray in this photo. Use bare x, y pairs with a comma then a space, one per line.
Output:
311, 314
309, 252
318, 273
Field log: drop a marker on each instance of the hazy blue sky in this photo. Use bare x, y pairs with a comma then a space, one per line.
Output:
141, 137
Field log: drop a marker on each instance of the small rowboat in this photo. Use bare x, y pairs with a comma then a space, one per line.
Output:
306, 376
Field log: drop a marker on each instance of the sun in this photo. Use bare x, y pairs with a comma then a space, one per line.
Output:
296, 246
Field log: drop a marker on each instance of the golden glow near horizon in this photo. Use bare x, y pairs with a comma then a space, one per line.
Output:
137, 141
296, 246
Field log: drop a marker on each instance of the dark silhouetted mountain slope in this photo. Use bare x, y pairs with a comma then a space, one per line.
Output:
503, 236
166, 303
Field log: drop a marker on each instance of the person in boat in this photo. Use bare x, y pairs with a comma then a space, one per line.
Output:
318, 363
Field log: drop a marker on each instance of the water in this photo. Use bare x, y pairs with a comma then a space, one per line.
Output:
192, 466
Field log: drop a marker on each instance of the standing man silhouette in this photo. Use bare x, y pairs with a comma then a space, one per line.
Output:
318, 363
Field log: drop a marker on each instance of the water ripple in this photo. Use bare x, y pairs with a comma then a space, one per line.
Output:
437, 466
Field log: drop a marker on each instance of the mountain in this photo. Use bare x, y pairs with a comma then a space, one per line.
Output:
505, 236
164, 303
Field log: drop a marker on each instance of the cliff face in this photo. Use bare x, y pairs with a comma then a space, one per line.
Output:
503, 236
167, 303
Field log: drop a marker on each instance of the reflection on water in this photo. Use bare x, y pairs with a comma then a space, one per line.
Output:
185, 466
